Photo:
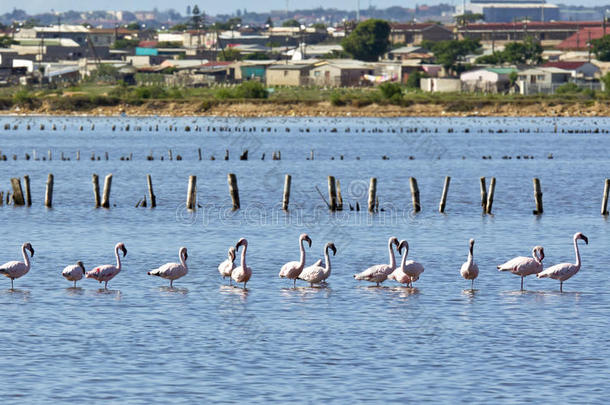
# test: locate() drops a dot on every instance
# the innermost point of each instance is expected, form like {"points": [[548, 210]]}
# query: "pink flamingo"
{"points": [[379, 273], [107, 272], [525, 266], [226, 267], [564, 271], [469, 269], [291, 270], [15, 269], [242, 273], [173, 271], [409, 271], [315, 273], [74, 272]]}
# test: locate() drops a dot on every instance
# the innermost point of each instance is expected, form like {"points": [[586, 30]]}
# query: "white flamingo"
{"points": [[226, 267], [16, 269], [315, 273], [564, 271], [379, 273], [242, 273], [107, 272], [525, 266], [173, 271], [74, 272], [291, 270], [469, 269], [409, 271]]}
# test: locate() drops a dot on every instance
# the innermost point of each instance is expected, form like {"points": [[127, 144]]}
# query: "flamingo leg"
{"points": [[472, 284], [171, 283], [561, 286], [378, 284], [294, 285], [521, 283], [12, 283], [74, 283], [106, 285]]}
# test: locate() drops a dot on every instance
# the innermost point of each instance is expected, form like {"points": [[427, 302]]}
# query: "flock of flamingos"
{"points": [[406, 273]]}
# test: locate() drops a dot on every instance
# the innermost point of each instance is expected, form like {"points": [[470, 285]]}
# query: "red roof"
{"points": [[148, 44], [217, 63], [533, 25], [411, 26], [565, 65], [580, 40]]}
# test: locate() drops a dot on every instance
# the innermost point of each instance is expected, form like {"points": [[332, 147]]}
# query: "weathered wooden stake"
{"points": [[339, 197], [441, 207], [17, 191], [50, 155], [233, 190], [151, 193], [48, 195], [96, 189], [332, 193], [191, 197], [199, 151], [605, 199], [372, 193], [483, 194], [28, 195], [415, 194], [490, 195], [170, 154], [286, 199], [106, 195], [78, 155], [538, 197]]}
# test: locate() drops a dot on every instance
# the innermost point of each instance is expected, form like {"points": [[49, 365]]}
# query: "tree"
{"points": [[291, 23], [368, 41], [606, 81], [135, 26], [230, 54], [468, 18], [269, 22], [527, 52], [198, 18], [6, 41], [449, 52], [601, 48]]}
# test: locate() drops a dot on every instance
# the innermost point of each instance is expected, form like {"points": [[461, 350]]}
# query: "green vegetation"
{"points": [[105, 73], [6, 41], [368, 41], [468, 18], [449, 53], [291, 23], [527, 52], [231, 23], [606, 81], [125, 43], [601, 48], [230, 54]]}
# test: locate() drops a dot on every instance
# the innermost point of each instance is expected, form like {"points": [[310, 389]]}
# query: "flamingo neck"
{"points": [[118, 258], [403, 260], [243, 257], [182, 261], [26, 258], [327, 258], [392, 258], [535, 256], [302, 259], [577, 252], [470, 255]]}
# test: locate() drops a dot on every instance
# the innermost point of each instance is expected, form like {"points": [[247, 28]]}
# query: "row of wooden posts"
{"points": [[23, 196]]}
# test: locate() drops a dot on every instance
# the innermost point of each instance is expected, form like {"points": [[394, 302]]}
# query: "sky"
{"points": [[215, 7]]}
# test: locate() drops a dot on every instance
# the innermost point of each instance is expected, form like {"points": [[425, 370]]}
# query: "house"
{"points": [[581, 39], [413, 33], [283, 74], [440, 84], [542, 80], [579, 69], [253, 70], [340, 72], [409, 52], [488, 80]]}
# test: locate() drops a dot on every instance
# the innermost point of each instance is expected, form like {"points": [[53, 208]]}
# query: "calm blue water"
{"points": [[203, 341]]}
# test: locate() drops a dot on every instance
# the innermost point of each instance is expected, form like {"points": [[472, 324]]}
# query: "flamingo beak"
{"points": [[82, 266], [541, 254], [186, 255], [308, 239], [583, 237], [334, 249], [31, 249], [124, 249]]}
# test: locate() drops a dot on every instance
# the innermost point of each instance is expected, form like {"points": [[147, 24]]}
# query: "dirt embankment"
{"points": [[326, 109]]}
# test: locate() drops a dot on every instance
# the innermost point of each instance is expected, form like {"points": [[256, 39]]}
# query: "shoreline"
{"points": [[252, 109]]}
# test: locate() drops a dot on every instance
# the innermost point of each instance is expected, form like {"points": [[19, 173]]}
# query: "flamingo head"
{"points": [[29, 247], [81, 265], [242, 242], [306, 238], [393, 240], [403, 245], [471, 244], [232, 253], [580, 235], [184, 252], [332, 247], [123, 248], [539, 252]]}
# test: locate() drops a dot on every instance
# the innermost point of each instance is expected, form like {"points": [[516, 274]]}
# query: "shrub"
{"points": [[390, 90], [251, 89], [568, 88], [24, 98], [336, 99]]}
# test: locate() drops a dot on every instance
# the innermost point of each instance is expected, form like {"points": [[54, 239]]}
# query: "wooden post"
{"points": [[199, 150], [17, 191], [372, 194], [286, 199], [48, 196], [151, 193], [106, 155], [441, 207], [538, 196], [490, 195], [191, 197], [96, 190], [339, 197], [605, 199], [170, 155], [233, 190], [28, 195], [483, 194], [332, 193], [78, 155], [415, 194], [106, 195], [50, 155]]}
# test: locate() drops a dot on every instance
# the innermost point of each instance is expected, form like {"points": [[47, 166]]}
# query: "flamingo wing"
{"points": [[375, 273], [312, 274], [562, 271], [225, 268], [72, 272], [289, 269], [13, 269]]}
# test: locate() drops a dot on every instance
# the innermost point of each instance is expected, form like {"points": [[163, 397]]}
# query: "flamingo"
{"points": [[315, 273], [379, 273], [564, 271], [74, 272], [291, 270], [107, 272], [242, 273], [469, 269], [525, 266], [173, 271], [226, 267], [409, 271], [15, 269]]}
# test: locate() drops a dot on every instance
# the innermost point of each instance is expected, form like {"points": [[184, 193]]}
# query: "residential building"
{"points": [[283, 74], [542, 80], [578, 70], [581, 39], [415, 33], [512, 10], [487, 80], [440, 84], [340, 72]]}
